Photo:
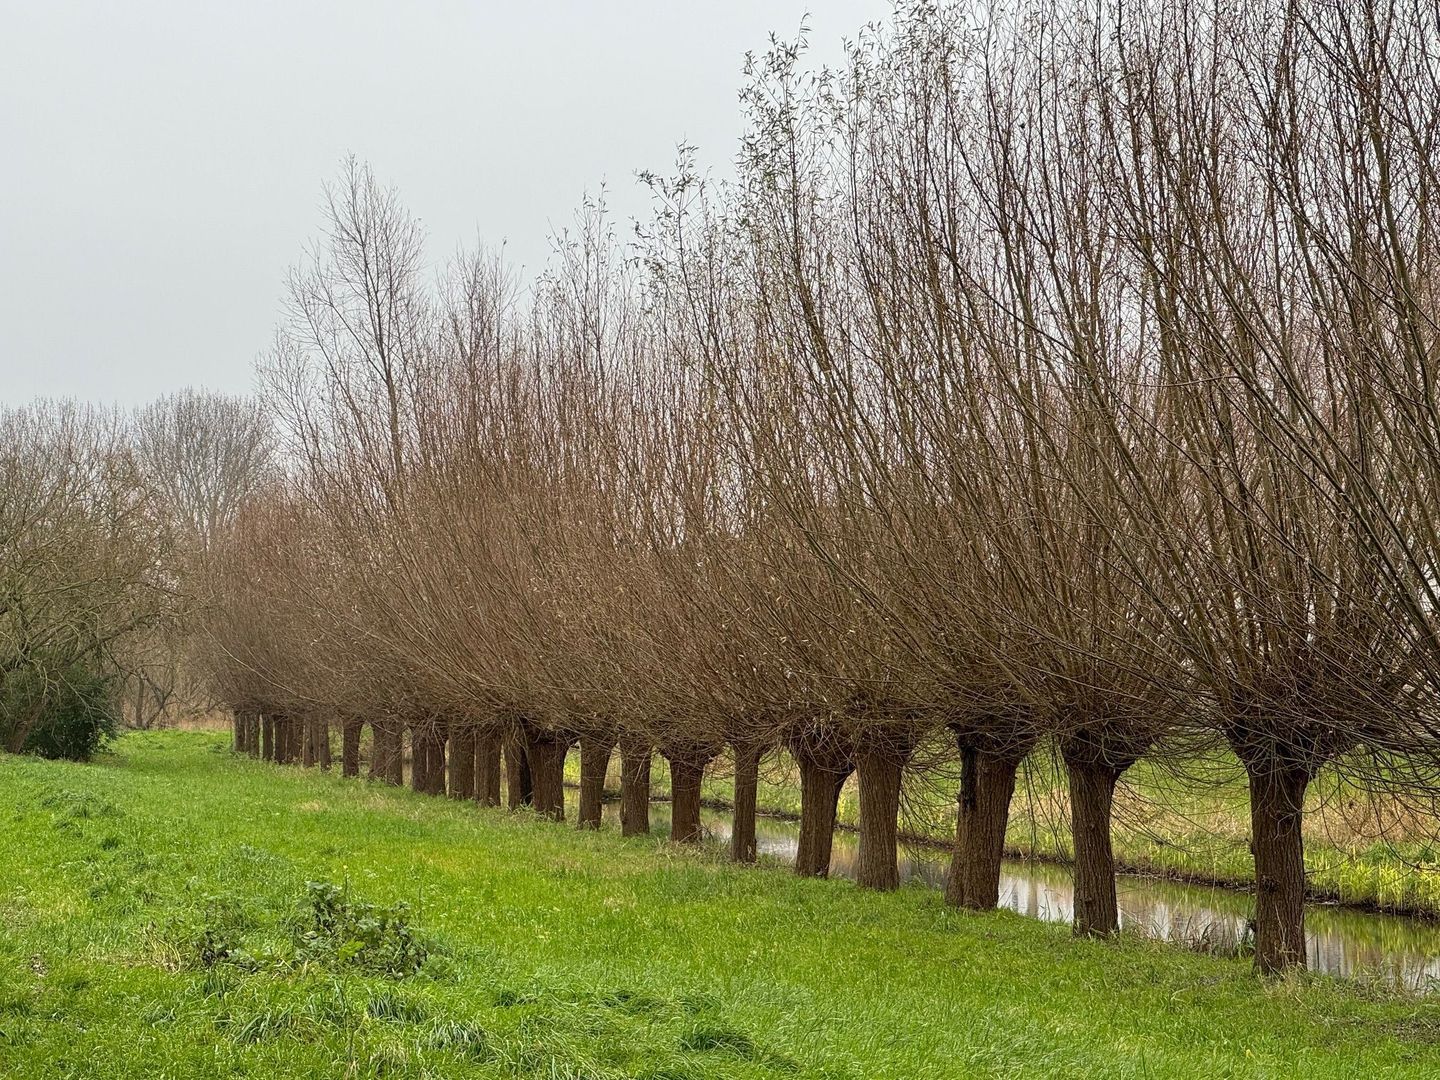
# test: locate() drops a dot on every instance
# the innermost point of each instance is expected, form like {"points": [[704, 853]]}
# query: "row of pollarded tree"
{"points": [[1063, 381]]}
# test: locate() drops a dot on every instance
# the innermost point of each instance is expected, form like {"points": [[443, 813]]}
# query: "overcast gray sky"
{"points": [[161, 161]]}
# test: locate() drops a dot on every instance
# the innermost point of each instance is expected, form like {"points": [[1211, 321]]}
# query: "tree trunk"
{"points": [[439, 736], [237, 731], [1277, 802], [282, 740], [519, 783], [322, 732], [1092, 794], [419, 759], [987, 782], [394, 753], [635, 790], [820, 784], [546, 752], [686, 774], [594, 764], [462, 761], [747, 782], [879, 819], [267, 737], [308, 749], [350, 748], [487, 769], [427, 758]]}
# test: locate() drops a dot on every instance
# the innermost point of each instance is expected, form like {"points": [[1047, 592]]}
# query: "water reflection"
{"points": [[1341, 942]]}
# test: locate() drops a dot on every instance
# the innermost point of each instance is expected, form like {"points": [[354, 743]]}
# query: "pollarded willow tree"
{"points": [[1279, 591], [1079, 404]]}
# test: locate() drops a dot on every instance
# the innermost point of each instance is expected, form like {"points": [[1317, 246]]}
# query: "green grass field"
{"points": [[155, 921]]}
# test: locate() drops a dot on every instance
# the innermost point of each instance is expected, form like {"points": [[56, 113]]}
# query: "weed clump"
{"points": [[335, 930], [216, 937], [328, 930]]}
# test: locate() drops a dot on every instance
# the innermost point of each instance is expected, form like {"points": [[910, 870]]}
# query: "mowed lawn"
{"points": [[153, 906]]}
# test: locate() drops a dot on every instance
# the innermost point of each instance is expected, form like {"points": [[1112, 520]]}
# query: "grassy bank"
{"points": [[1365, 853], [155, 920]]}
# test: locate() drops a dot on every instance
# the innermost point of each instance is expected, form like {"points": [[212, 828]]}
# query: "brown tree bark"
{"points": [[747, 782], [594, 764], [519, 783], [1092, 795], [284, 744], [309, 751], [350, 731], [1095, 760], [267, 737], [419, 759], [546, 751], [462, 761], [821, 779], [635, 789], [880, 771], [1277, 802], [987, 783], [687, 772], [439, 745], [296, 730], [427, 758], [394, 753], [241, 720], [487, 769], [322, 733]]}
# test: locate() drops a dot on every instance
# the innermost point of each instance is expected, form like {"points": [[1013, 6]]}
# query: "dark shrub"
{"points": [[74, 712]]}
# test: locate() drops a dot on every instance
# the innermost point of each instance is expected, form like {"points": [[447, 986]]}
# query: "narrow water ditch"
{"points": [[1342, 942]]}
